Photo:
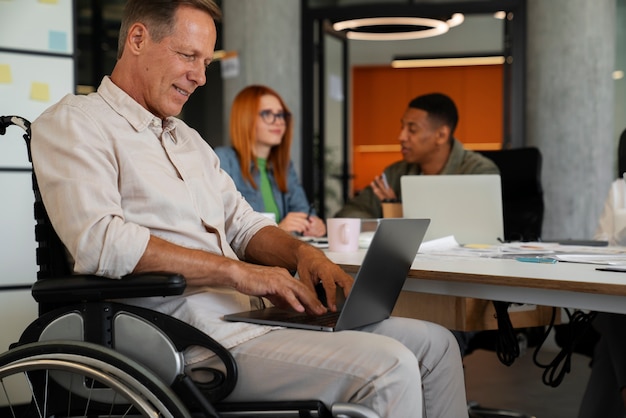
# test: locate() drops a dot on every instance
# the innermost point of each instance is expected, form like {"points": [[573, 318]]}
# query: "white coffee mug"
{"points": [[343, 234]]}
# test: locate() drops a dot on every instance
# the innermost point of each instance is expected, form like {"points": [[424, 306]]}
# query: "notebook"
{"points": [[468, 206], [376, 287]]}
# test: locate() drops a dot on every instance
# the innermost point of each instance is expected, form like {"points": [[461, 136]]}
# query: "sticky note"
{"points": [[49, 1], [57, 41], [40, 91], [5, 74]]}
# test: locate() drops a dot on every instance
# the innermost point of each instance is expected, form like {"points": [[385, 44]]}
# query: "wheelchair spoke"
{"points": [[77, 379], [89, 397], [32, 394], [45, 394], [6, 394]]}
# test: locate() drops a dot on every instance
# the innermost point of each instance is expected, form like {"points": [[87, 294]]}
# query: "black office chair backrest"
{"points": [[621, 155], [522, 193]]}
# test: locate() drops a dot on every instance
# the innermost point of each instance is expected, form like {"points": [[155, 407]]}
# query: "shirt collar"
{"points": [[136, 115]]}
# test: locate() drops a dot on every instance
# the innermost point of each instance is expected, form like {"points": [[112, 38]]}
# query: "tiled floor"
{"points": [[519, 387]]}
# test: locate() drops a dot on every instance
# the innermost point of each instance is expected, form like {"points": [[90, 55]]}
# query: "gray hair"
{"points": [[158, 16]]}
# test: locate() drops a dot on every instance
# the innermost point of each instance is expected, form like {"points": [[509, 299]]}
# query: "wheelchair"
{"points": [[86, 356]]}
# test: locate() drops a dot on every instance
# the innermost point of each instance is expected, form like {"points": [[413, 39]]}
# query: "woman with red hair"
{"points": [[259, 160]]}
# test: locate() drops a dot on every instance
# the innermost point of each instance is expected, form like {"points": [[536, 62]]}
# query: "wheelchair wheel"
{"points": [[76, 379]]}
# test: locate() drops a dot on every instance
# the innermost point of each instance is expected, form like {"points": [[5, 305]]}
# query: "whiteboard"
{"points": [[36, 70], [29, 84], [18, 264], [37, 25]]}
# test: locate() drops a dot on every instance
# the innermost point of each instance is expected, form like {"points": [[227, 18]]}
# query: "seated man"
{"points": [[428, 147], [130, 188]]}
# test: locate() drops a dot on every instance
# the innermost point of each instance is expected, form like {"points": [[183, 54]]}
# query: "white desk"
{"points": [[568, 285]]}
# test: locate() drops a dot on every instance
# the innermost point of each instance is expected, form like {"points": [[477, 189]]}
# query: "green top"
{"points": [[266, 189]]}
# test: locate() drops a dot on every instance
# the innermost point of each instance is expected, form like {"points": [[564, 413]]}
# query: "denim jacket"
{"points": [[294, 200]]}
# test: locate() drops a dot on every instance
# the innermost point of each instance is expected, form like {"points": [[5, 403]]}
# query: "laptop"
{"points": [[376, 287], [468, 206]]}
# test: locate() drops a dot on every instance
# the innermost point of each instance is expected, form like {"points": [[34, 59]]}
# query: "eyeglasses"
{"points": [[270, 117]]}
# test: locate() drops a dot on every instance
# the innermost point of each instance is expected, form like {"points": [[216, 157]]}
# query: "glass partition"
{"points": [[480, 34]]}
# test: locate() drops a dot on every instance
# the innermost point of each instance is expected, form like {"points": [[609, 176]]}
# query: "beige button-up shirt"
{"points": [[111, 174]]}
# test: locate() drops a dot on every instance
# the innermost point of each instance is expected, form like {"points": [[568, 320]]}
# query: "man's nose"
{"points": [[198, 74]]}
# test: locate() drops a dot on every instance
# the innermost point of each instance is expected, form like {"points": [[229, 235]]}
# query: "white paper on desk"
{"points": [[604, 259], [448, 246], [529, 247], [365, 239], [439, 244]]}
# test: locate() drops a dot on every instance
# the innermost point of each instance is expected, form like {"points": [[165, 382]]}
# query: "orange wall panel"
{"points": [[381, 95], [367, 165]]}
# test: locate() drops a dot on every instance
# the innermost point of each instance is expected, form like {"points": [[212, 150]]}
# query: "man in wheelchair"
{"points": [[129, 188]]}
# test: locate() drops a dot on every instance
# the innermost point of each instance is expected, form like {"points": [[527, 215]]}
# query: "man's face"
{"points": [[175, 67], [419, 137]]}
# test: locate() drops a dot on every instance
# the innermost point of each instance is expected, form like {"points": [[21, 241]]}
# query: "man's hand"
{"points": [[314, 267], [279, 286], [381, 189], [273, 247]]}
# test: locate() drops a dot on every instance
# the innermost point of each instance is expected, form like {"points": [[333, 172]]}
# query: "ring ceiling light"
{"points": [[426, 27]]}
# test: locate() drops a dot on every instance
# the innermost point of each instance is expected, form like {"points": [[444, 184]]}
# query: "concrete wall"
{"points": [[570, 60], [266, 36]]}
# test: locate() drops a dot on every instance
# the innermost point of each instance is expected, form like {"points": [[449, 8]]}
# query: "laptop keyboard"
{"points": [[328, 319]]}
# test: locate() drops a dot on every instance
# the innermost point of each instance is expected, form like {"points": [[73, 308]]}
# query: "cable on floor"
{"points": [[555, 371], [507, 345]]}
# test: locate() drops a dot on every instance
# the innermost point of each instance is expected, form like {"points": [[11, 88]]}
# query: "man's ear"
{"points": [[137, 37], [443, 134]]}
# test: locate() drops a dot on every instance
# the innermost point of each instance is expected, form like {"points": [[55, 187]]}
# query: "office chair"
{"points": [[522, 193], [621, 155], [523, 209], [87, 356]]}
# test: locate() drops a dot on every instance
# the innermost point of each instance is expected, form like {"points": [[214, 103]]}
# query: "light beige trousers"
{"points": [[399, 367]]}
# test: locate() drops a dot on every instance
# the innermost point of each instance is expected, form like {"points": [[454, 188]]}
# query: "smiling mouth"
{"points": [[183, 92]]}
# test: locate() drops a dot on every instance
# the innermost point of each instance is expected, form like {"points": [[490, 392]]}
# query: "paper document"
{"points": [[605, 259]]}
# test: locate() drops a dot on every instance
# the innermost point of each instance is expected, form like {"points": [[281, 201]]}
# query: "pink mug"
{"points": [[343, 234]]}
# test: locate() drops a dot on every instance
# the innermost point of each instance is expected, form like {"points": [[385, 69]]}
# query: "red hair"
{"points": [[243, 119]]}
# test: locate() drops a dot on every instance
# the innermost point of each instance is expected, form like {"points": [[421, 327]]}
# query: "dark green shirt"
{"points": [[461, 161]]}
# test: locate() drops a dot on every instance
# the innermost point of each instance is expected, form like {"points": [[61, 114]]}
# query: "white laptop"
{"points": [[468, 206]]}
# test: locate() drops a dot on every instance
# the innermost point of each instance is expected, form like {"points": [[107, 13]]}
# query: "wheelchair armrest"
{"points": [[79, 288]]}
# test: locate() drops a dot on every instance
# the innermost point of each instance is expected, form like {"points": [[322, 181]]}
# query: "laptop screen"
{"points": [[468, 206]]}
